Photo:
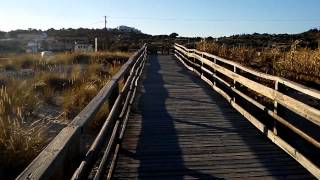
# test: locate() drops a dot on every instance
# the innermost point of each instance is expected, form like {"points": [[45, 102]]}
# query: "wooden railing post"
{"points": [[215, 73], [234, 83], [194, 62], [125, 77], [201, 68], [275, 108], [113, 96]]}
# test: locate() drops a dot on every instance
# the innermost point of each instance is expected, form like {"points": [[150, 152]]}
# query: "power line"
{"points": [[213, 20], [204, 20], [98, 22]]}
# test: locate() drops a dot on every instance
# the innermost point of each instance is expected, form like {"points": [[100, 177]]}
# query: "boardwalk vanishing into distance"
{"points": [[182, 129], [189, 115]]}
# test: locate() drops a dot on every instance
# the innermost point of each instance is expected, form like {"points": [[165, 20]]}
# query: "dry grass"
{"points": [[73, 78], [302, 65], [298, 64], [19, 140]]}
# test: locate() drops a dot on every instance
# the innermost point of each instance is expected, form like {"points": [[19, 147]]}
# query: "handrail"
{"points": [[111, 124], [200, 63], [301, 88], [298, 107], [62, 156]]}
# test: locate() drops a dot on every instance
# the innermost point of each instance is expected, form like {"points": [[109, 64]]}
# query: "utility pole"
{"points": [[105, 33], [105, 22], [96, 44]]}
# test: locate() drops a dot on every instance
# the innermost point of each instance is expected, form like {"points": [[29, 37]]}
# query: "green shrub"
{"points": [[58, 83], [3, 82], [10, 67], [27, 64], [82, 59]]}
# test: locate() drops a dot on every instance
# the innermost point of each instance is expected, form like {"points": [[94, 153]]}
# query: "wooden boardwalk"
{"points": [[180, 129]]}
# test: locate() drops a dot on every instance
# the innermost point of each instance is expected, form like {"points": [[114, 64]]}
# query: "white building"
{"points": [[33, 41], [46, 54], [128, 29], [83, 47], [33, 47]]}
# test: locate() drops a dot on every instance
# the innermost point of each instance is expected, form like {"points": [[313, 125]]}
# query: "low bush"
{"points": [[58, 83], [3, 82], [26, 64], [10, 67]]}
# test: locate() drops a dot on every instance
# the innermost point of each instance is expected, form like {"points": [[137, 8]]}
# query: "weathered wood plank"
{"points": [[278, 97], [179, 128]]}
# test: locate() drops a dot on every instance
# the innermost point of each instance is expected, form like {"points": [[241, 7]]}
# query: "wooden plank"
{"points": [[166, 137], [57, 155], [276, 139]]}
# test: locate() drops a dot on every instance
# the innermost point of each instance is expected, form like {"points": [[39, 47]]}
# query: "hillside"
{"points": [[310, 39], [112, 39]]}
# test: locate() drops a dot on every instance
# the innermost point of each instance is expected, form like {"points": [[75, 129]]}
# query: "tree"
{"points": [[210, 39], [173, 35], [2, 34]]}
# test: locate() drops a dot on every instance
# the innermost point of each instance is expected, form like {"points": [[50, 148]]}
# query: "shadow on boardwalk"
{"points": [[158, 138], [183, 129]]}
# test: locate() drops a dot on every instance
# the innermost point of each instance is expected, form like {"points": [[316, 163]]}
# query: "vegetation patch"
{"points": [[300, 64], [34, 108]]}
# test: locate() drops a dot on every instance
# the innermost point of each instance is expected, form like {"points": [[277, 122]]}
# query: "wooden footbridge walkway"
{"points": [[166, 122]]}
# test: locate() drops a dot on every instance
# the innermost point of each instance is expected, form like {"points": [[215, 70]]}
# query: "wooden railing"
{"points": [[239, 85], [65, 157]]}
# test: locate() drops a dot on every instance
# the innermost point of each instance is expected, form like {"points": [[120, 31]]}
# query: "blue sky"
{"points": [[186, 17]]}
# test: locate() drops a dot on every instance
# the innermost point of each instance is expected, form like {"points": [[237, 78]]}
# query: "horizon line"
{"points": [[95, 28]]}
